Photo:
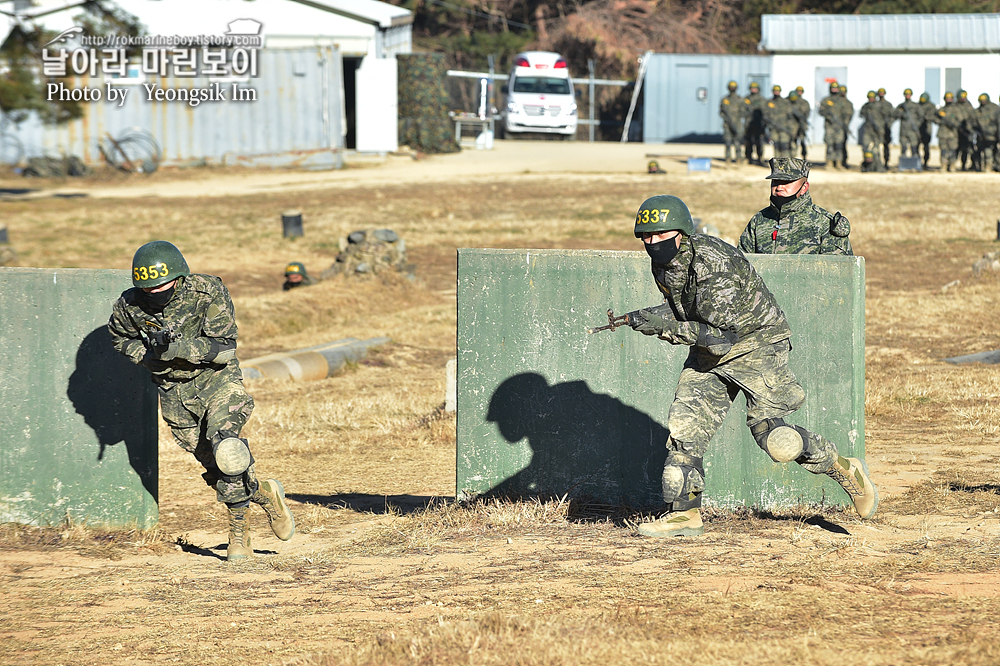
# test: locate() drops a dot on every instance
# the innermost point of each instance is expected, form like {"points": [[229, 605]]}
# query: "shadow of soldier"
{"points": [[107, 390], [585, 445]]}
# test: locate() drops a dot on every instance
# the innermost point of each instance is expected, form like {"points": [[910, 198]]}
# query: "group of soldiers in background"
{"points": [[967, 136]]}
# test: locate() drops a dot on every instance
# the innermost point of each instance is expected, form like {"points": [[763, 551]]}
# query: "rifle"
{"points": [[613, 323], [803, 121]]}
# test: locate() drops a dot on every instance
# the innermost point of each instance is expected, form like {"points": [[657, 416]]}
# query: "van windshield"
{"points": [[546, 85]]}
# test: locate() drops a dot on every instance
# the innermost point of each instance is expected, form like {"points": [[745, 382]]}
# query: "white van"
{"points": [[540, 96]]}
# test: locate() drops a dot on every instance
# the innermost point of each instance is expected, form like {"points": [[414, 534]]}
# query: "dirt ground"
{"points": [[386, 569]]}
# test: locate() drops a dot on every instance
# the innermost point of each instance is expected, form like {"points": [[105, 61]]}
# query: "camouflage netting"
{"points": [[423, 103], [370, 251]]}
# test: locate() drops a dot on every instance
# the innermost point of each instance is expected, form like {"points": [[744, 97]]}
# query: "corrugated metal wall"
{"points": [[683, 92], [802, 33], [296, 117]]}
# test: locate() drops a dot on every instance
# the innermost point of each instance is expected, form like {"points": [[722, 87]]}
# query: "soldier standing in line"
{"points": [[731, 110], [846, 109], [909, 115], [887, 112], [753, 125], [792, 223], [834, 130], [182, 327], [781, 124], [949, 119], [927, 116], [987, 117], [871, 134], [966, 131], [802, 110], [716, 304]]}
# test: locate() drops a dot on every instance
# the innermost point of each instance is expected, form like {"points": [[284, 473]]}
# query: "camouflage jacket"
{"points": [[201, 318], [887, 111], [910, 116], [800, 227], [753, 111], [801, 111], [928, 114], [949, 119], [731, 110], [779, 116], [987, 117], [721, 306]]}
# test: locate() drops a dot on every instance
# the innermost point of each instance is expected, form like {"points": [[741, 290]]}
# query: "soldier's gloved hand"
{"points": [[176, 349], [646, 322], [152, 363]]}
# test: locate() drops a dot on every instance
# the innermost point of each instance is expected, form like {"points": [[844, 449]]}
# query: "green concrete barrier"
{"points": [[78, 430], [544, 408]]}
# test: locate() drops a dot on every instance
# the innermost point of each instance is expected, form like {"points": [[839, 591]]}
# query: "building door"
{"points": [[377, 106], [824, 77], [693, 117]]}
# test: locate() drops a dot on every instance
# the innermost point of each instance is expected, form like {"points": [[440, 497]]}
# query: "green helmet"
{"points": [[295, 267], [157, 263], [871, 94], [732, 85], [924, 97], [663, 213]]}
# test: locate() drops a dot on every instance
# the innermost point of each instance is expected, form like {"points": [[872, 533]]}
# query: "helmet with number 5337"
{"points": [[661, 213], [157, 263]]}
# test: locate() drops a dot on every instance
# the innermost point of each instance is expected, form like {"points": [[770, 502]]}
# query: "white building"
{"points": [[932, 53], [359, 38]]}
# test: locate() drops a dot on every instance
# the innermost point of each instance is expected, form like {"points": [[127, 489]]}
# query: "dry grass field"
{"points": [[387, 569]]}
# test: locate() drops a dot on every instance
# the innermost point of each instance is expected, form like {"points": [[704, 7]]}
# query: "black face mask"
{"points": [[662, 253], [159, 300], [781, 201]]}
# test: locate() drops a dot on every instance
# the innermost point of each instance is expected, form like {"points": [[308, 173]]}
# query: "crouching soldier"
{"points": [[182, 327], [716, 304]]}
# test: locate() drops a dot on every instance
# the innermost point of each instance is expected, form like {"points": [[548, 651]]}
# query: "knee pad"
{"points": [[683, 477], [232, 454], [782, 442]]}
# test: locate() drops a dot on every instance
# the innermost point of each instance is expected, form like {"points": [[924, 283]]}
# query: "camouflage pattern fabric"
{"points": [[966, 131], [928, 116], [370, 251], [753, 127], [834, 128], [949, 119], [871, 135], [909, 115], [801, 110], [799, 227], [198, 399], [781, 125], [887, 112], [423, 103], [731, 110], [706, 389], [987, 118], [711, 290]]}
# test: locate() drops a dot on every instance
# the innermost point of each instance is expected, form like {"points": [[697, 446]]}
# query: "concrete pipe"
{"points": [[310, 363]]}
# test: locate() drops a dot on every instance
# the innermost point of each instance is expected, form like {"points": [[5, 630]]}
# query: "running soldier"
{"points": [[731, 110], [753, 125], [182, 327], [792, 223], [716, 304]]}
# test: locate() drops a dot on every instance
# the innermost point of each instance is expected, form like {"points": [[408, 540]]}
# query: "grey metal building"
{"points": [[683, 92]]}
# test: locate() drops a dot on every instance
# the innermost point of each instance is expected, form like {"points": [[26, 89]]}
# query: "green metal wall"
{"points": [[78, 436], [546, 408]]}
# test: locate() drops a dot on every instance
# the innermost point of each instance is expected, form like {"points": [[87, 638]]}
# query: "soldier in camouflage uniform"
{"points": [[781, 124], [870, 134], [753, 125], [801, 110], [887, 111], [927, 116], [987, 119], [182, 327], [949, 119], [792, 223], [835, 130], [966, 130], [909, 115], [731, 110], [715, 303], [296, 276]]}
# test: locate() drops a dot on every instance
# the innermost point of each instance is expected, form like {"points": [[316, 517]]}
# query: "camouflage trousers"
{"points": [[908, 141], [836, 144], [948, 143], [706, 391], [197, 411]]}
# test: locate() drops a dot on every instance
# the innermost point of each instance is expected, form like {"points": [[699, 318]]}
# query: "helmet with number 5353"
{"points": [[661, 213], [157, 263]]}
